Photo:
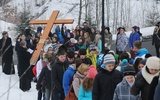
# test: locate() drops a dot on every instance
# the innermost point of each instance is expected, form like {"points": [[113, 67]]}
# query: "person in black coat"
{"points": [[106, 80], [86, 28], [45, 77], [58, 69], [82, 55], [7, 53], [24, 64], [156, 39]]}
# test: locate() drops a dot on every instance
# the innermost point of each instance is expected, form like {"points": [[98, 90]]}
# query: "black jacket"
{"points": [[152, 88], [45, 76], [156, 39], [58, 69], [140, 85], [105, 83]]}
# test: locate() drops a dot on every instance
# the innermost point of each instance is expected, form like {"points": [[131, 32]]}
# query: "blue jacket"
{"points": [[99, 45], [133, 37], [141, 52], [83, 95], [60, 37], [67, 79]]}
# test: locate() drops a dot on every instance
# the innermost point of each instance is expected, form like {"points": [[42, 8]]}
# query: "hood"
{"points": [[77, 74], [142, 52], [39, 29], [71, 67]]}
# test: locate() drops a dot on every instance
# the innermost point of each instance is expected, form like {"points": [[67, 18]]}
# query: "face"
{"points": [[23, 37], [92, 30], [109, 67], [121, 31], [6, 35], [153, 71], [85, 25], [70, 60], [140, 66], [62, 58], [129, 78], [106, 31], [82, 56], [80, 40], [92, 52], [46, 41], [135, 49], [133, 30], [50, 49], [85, 35], [78, 27], [85, 73]]}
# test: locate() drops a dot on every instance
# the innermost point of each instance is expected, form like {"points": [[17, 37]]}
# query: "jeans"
{"points": [[57, 96], [47, 94], [40, 94]]}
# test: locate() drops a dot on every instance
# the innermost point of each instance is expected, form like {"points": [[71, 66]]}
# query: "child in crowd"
{"points": [[91, 53], [106, 80], [82, 55], [45, 77], [98, 43], [68, 75], [58, 69], [78, 77], [122, 91], [143, 81], [85, 91]]}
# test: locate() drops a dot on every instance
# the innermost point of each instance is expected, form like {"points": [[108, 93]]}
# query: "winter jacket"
{"points": [[142, 83], [84, 95], [105, 83], [122, 42], [45, 76], [141, 53], [59, 34], [39, 67], [156, 39], [108, 38], [122, 92], [133, 37], [99, 45], [58, 69], [153, 88], [77, 80], [67, 79], [157, 91], [92, 58]]}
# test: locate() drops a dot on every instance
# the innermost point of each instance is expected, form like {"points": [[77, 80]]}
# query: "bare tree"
{"points": [[97, 13]]}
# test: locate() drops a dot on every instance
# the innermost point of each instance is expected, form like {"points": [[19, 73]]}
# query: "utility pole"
{"points": [[103, 42]]}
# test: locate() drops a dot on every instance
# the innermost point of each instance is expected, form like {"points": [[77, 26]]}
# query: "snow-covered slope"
{"points": [[15, 93]]}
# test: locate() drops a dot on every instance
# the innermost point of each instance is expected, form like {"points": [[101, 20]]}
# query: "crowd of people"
{"points": [[72, 65]]}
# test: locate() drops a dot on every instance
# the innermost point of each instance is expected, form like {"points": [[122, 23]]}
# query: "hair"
{"points": [[82, 52], [85, 23], [88, 37], [50, 56], [22, 43], [138, 44], [87, 84], [148, 55], [70, 54], [124, 55], [48, 38], [136, 63], [107, 28], [78, 62], [122, 28], [82, 68], [61, 52]]}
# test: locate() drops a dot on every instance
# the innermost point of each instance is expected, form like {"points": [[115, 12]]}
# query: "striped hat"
{"points": [[109, 59]]}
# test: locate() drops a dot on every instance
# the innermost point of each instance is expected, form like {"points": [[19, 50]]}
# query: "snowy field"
{"points": [[15, 93]]}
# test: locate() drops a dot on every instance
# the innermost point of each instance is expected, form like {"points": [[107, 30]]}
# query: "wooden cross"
{"points": [[47, 30]]}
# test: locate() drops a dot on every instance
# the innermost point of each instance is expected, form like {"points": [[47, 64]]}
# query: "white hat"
{"points": [[153, 63]]}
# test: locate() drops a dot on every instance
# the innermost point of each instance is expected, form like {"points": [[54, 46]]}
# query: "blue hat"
{"points": [[135, 28]]}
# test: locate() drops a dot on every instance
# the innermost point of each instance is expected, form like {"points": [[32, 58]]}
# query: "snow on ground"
{"points": [[15, 93]]}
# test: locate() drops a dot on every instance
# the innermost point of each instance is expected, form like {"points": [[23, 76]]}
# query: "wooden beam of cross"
{"points": [[47, 30]]}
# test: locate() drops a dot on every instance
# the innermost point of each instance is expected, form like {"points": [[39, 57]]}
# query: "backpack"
{"points": [[71, 95]]}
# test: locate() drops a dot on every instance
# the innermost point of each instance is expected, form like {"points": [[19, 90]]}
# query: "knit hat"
{"points": [[129, 70], [153, 62], [98, 36], [109, 59], [92, 72], [143, 62], [92, 47]]}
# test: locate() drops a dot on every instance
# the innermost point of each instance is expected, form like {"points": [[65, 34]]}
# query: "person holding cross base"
{"points": [[6, 52]]}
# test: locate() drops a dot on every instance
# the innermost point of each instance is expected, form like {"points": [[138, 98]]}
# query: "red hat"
{"points": [[92, 72]]}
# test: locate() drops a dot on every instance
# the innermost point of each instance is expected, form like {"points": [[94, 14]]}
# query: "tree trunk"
{"points": [[80, 12], [108, 12], [97, 14]]}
